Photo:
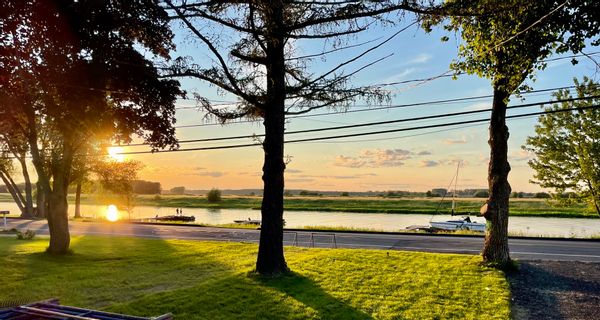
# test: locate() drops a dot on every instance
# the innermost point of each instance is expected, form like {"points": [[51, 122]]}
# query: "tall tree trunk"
{"points": [[495, 250], [41, 202], [28, 213], [15, 187], [594, 196], [58, 223], [271, 260], [78, 200], [55, 193], [14, 193], [58, 215]]}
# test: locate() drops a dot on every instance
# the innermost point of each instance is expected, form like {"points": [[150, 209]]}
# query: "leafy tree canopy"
{"points": [[75, 73], [508, 40], [567, 147]]}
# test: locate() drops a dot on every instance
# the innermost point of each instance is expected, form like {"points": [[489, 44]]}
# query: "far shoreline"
{"points": [[520, 207]]}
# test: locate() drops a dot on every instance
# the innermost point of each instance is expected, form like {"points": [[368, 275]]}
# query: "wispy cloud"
{"points": [[521, 155], [400, 76], [212, 174], [420, 59], [478, 106], [376, 158], [428, 163], [348, 162], [455, 141]]}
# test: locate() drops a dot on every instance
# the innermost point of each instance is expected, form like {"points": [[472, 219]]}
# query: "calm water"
{"points": [[566, 227]]}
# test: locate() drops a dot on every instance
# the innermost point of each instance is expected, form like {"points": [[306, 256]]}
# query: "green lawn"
{"points": [[213, 280]]}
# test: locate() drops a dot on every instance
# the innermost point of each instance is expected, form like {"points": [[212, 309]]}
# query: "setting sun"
{"points": [[115, 154], [112, 213]]}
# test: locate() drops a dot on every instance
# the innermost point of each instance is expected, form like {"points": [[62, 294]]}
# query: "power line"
{"points": [[441, 125], [368, 124], [398, 106], [448, 124]]}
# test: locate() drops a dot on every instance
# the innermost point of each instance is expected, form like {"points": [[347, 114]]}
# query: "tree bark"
{"points": [[28, 213], [495, 250], [78, 200], [58, 209], [56, 193], [594, 196], [58, 221], [271, 260], [15, 193], [41, 203]]}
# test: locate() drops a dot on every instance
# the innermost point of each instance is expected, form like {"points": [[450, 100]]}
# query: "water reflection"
{"points": [[529, 226], [112, 213]]}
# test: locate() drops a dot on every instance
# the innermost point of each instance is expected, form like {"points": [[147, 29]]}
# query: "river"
{"points": [[527, 226]]}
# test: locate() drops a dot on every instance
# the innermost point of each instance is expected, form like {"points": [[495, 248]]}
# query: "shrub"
{"points": [[541, 195], [481, 194], [214, 195], [27, 235]]}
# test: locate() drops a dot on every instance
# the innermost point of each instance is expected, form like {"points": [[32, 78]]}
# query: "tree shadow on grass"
{"points": [[103, 271], [308, 292], [539, 292], [235, 296]]}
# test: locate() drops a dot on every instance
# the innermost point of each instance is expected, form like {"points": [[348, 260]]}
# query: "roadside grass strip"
{"points": [[214, 280]]}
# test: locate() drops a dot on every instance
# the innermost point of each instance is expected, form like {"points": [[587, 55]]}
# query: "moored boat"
{"points": [[460, 224], [176, 218]]}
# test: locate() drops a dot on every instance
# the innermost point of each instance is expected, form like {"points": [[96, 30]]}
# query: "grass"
{"points": [[339, 228], [213, 280]]}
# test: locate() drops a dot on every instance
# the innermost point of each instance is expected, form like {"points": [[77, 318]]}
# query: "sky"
{"points": [[413, 160]]}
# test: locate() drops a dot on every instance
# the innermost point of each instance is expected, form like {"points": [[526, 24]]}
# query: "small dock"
{"points": [[249, 221]]}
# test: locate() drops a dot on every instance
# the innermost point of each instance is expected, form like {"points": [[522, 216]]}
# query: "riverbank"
{"points": [[214, 280], [518, 207]]}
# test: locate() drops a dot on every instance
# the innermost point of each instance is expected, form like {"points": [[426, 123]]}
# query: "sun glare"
{"points": [[112, 213], [115, 154]]}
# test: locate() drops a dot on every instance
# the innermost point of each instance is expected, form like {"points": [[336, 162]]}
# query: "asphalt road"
{"points": [[524, 249]]}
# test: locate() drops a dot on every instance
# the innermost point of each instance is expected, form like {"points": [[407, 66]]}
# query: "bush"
{"points": [[214, 195], [541, 195], [27, 235], [481, 194]]}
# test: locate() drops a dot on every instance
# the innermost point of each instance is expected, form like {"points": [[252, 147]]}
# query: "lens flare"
{"points": [[112, 213], [115, 154]]}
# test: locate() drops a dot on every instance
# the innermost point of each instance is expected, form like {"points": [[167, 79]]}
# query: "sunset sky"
{"points": [[414, 160]]}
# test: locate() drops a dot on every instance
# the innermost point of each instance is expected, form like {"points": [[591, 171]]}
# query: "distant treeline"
{"points": [[3, 188], [139, 187]]}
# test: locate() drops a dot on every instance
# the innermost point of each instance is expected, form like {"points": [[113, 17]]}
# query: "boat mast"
{"points": [[455, 185]]}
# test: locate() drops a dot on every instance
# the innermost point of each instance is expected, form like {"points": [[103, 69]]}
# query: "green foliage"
{"points": [[517, 194], [213, 280], [567, 147], [506, 41], [214, 195], [306, 193], [27, 235], [117, 180], [541, 195], [481, 194]]}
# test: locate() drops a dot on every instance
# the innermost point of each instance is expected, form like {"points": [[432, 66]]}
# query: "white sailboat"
{"points": [[464, 223]]}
